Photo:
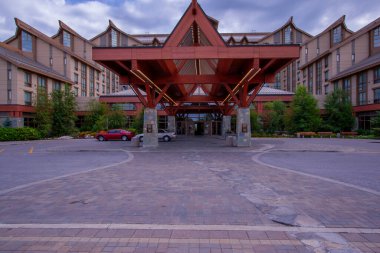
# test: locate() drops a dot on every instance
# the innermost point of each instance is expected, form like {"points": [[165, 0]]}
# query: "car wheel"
{"points": [[141, 138], [124, 138], [101, 138], [166, 138]]}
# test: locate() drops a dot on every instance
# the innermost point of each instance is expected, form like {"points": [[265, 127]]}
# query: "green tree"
{"points": [[303, 114], [339, 114], [375, 121], [43, 120], [116, 117], [96, 120], [256, 124], [274, 116], [138, 123], [63, 112], [375, 124]]}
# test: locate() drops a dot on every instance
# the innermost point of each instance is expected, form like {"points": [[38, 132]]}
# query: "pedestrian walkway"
{"points": [[191, 195]]}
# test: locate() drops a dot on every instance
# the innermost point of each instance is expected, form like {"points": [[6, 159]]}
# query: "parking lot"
{"points": [[194, 194]]}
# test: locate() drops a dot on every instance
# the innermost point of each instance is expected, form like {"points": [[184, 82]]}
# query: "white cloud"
{"points": [[90, 17]]}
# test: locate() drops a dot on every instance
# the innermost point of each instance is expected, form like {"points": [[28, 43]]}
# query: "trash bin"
{"points": [[135, 142], [231, 140]]}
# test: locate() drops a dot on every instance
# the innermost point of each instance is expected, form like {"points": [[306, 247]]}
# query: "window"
{"points": [[362, 88], [277, 84], [26, 41], [76, 64], [376, 96], [41, 81], [92, 82], [57, 85], [347, 87], [113, 38], [9, 74], [84, 80], [288, 35], [326, 75], [27, 98], [319, 78], [76, 77], [337, 35], [336, 85], [326, 62], [376, 75], [310, 80], [28, 79], [66, 39], [376, 37], [353, 58]]}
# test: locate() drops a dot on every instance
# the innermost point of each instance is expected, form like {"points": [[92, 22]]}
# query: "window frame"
{"points": [[26, 41], [27, 81], [29, 101]]}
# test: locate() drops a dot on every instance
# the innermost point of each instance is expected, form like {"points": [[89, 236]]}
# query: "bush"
{"points": [[19, 134], [376, 132]]}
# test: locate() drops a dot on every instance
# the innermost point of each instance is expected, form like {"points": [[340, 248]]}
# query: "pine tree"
{"points": [[43, 120], [339, 114], [303, 114], [63, 112]]}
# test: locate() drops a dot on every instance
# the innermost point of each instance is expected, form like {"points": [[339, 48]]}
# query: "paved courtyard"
{"points": [[191, 195]]}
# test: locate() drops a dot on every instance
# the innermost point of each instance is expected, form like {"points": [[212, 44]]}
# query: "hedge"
{"points": [[19, 134]]}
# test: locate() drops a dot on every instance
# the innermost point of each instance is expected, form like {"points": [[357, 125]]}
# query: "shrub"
{"points": [[19, 134]]}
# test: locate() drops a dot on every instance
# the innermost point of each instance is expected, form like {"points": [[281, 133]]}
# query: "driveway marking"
{"points": [[30, 151], [195, 227], [256, 158], [130, 158]]}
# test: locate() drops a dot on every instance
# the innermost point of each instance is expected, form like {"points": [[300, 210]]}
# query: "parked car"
{"points": [[115, 134], [162, 135]]}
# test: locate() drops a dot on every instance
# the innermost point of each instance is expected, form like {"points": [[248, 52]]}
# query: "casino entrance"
{"points": [[199, 124]]}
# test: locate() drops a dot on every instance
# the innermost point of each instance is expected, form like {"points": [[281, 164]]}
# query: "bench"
{"points": [[322, 134], [305, 134], [351, 134]]}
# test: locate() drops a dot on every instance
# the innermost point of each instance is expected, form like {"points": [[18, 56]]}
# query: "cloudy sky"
{"points": [[90, 17]]}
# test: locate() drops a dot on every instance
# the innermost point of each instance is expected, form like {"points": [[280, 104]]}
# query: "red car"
{"points": [[115, 134]]}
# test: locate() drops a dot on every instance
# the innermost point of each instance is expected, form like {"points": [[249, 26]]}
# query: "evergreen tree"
{"points": [[339, 114], [256, 124], [375, 124], [43, 120], [303, 114], [63, 112], [116, 117], [138, 123], [97, 119], [274, 116]]}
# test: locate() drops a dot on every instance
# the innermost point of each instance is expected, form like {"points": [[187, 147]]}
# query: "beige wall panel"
{"points": [[345, 57], [362, 48], [58, 61], [324, 42], [43, 52]]}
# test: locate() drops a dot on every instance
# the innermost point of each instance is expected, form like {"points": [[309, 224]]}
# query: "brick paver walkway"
{"points": [[193, 195]]}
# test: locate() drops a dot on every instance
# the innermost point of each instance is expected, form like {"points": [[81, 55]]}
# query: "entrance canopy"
{"points": [[195, 70]]}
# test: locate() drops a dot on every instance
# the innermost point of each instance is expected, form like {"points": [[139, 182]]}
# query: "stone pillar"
{"points": [[243, 127], [226, 125], [171, 124], [150, 128]]}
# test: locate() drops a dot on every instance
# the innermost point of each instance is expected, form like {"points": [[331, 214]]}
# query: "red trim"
{"points": [[364, 108]]}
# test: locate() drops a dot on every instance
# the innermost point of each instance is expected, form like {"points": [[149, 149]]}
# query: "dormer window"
{"points": [[26, 42], [113, 38], [288, 35], [337, 35], [66, 39], [376, 37]]}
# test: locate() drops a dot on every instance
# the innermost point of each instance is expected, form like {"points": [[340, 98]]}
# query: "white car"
{"points": [[162, 135]]}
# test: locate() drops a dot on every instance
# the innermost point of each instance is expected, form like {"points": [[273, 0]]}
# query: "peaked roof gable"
{"points": [[194, 14], [64, 27], [289, 22], [111, 25]]}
